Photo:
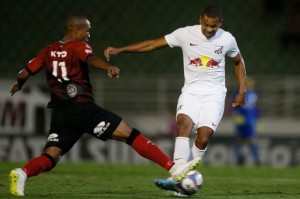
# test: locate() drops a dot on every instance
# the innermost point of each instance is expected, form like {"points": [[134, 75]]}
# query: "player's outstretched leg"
{"points": [[179, 171], [169, 185], [166, 184], [17, 178]]}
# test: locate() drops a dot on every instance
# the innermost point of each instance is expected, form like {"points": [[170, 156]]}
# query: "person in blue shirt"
{"points": [[245, 119]]}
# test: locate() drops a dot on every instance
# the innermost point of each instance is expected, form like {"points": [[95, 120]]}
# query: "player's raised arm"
{"points": [[21, 79], [96, 62], [139, 47], [240, 72]]}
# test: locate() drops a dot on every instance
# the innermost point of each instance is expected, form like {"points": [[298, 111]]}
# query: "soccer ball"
{"points": [[191, 183]]}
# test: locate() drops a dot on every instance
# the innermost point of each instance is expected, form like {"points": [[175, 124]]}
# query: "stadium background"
{"points": [[146, 94]]}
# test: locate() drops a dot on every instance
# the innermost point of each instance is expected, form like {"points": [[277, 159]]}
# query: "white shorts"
{"points": [[205, 109]]}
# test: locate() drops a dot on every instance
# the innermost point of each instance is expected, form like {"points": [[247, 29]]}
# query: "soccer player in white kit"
{"points": [[201, 104]]}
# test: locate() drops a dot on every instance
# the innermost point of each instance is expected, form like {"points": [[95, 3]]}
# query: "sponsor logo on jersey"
{"points": [[53, 137], [72, 90], [204, 62], [58, 53], [101, 128]]}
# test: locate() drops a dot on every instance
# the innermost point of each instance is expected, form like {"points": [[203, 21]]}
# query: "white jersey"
{"points": [[203, 59]]}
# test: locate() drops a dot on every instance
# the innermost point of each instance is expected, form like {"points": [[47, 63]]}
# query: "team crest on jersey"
{"points": [[218, 49], [101, 128], [53, 137], [72, 90]]}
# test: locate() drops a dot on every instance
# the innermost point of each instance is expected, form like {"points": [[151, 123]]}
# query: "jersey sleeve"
{"points": [[84, 50], [233, 50], [173, 39], [37, 63]]}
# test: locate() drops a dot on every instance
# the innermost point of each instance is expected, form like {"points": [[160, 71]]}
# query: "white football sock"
{"points": [[182, 149], [197, 152]]}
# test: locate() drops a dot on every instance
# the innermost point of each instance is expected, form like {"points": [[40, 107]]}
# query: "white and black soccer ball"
{"points": [[191, 183]]}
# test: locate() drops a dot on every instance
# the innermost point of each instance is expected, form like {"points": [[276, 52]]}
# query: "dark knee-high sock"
{"points": [[254, 152], [148, 149], [38, 165]]}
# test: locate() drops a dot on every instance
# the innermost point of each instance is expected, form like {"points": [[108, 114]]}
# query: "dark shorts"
{"points": [[70, 121], [246, 131]]}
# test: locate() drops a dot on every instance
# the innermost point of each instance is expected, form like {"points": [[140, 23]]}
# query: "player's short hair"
{"points": [[74, 20], [213, 11]]}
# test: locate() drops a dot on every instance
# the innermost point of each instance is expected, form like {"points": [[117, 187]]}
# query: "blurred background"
{"points": [[268, 35]]}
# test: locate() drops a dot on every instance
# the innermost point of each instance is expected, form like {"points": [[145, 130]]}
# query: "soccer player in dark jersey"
{"points": [[245, 123], [66, 63]]}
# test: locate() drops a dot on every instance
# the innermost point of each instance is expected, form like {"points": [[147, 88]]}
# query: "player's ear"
{"points": [[77, 30], [221, 22], [200, 19]]}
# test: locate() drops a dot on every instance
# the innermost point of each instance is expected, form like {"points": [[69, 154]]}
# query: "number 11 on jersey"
{"points": [[62, 66]]}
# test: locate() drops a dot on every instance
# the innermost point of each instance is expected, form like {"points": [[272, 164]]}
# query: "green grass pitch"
{"points": [[92, 180]]}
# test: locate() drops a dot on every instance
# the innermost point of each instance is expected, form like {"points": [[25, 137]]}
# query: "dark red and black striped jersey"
{"points": [[67, 71]]}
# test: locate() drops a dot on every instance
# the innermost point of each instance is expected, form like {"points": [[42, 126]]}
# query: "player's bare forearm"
{"points": [[139, 47], [21, 79], [241, 78], [240, 72], [97, 63], [145, 46]]}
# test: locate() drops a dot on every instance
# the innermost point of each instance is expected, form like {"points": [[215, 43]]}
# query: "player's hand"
{"points": [[239, 100], [110, 51], [113, 71], [15, 88]]}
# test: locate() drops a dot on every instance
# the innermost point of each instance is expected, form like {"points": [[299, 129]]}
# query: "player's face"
{"points": [[209, 26], [84, 32]]}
